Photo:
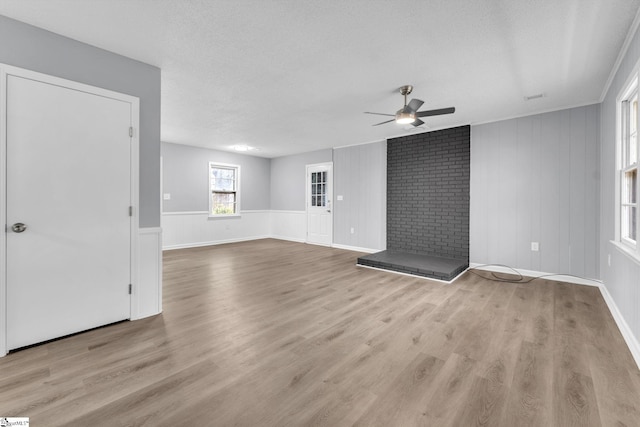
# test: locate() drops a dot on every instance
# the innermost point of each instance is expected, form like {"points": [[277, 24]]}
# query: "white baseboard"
{"points": [[212, 243], [531, 273], [288, 238], [623, 326], [355, 248]]}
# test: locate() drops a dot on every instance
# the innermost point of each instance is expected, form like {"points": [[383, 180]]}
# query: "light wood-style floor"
{"points": [[274, 333]]}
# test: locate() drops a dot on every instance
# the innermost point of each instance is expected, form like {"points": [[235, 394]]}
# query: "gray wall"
{"points": [[185, 173], [288, 179], [535, 179], [622, 278], [359, 174], [428, 193], [38, 50]]}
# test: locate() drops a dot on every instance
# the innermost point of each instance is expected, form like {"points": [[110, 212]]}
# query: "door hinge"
{"points": [[131, 132], [130, 288], [130, 210]]}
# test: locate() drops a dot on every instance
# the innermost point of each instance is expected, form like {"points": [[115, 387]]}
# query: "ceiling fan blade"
{"points": [[413, 105], [381, 123], [380, 114], [417, 123], [435, 112]]}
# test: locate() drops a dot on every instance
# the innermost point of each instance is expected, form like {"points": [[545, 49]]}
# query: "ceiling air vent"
{"points": [[532, 97]]}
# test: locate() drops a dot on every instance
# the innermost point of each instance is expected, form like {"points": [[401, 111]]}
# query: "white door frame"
{"points": [[7, 70], [307, 198]]}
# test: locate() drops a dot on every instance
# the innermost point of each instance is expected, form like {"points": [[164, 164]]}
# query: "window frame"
{"points": [[236, 191], [625, 165]]}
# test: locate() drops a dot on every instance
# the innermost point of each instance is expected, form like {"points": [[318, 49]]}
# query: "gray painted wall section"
{"points": [[38, 50], [622, 278], [359, 174], [288, 179], [535, 179], [185, 171]]}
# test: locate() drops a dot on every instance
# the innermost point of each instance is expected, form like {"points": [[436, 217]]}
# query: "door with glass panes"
{"points": [[319, 204]]}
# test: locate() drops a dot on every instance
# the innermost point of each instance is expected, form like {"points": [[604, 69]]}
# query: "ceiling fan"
{"points": [[409, 114]]}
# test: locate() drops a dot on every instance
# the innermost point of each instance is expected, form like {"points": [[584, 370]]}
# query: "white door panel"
{"points": [[69, 182], [319, 204]]}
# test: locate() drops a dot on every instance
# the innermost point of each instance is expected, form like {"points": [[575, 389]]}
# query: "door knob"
{"points": [[18, 227], [328, 210]]}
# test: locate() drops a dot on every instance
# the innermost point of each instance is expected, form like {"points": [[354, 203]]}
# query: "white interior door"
{"points": [[319, 204], [69, 182]]}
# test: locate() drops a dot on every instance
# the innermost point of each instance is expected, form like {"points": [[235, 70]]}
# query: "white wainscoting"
{"points": [[147, 292], [191, 229], [289, 225], [356, 248]]}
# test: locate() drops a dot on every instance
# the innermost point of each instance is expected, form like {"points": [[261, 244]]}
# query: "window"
{"points": [[224, 189], [628, 168], [319, 189]]}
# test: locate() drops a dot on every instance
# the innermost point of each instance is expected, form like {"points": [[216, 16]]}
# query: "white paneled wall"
{"points": [[147, 291], [289, 225], [189, 229]]}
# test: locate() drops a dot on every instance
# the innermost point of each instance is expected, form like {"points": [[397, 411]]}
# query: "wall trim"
{"points": [[623, 52], [213, 243], [147, 289], [150, 230], [186, 213], [289, 239], [625, 330], [288, 212], [532, 273], [356, 248], [626, 251]]}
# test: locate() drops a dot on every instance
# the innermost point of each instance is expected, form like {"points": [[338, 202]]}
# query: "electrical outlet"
{"points": [[353, 230], [166, 196], [535, 246], [339, 197]]}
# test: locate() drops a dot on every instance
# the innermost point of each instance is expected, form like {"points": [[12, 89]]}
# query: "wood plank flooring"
{"points": [[275, 333]]}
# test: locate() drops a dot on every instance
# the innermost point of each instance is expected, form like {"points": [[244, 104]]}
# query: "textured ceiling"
{"points": [[289, 76]]}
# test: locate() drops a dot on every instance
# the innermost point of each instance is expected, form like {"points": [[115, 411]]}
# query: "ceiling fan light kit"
{"points": [[403, 118], [409, 114]]}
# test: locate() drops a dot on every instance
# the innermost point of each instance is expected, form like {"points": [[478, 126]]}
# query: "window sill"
{"points": [[626, 250], [229, 216]]}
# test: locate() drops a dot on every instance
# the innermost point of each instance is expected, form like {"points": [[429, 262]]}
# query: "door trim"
{"points": [[307, 198], [9, 70]]}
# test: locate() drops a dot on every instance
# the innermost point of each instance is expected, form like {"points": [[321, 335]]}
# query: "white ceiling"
{"points": [[289, 76]]}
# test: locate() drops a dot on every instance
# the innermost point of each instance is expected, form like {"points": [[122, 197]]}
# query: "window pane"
{"points": [[314, 177], [633, 227], [223, 179], [223, 203], [633, 114], [630, 191]]}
